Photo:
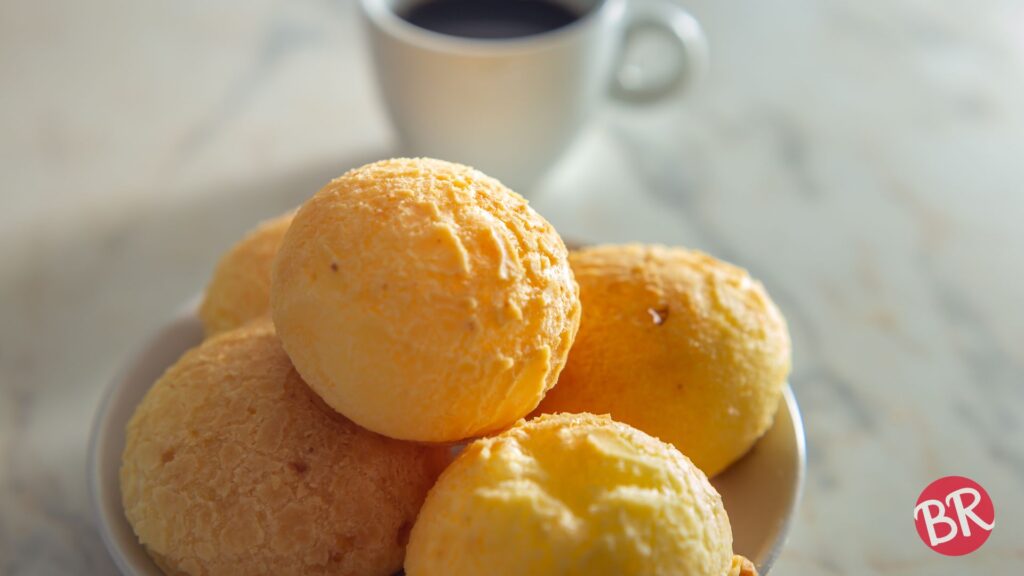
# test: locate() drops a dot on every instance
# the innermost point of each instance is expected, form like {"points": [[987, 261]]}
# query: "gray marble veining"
{"points": [[863, 159]]}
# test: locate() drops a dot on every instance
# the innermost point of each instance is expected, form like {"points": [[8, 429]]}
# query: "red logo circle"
{"points": [[954, 516]]}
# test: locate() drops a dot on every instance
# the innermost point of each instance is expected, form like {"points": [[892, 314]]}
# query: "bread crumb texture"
{"points": [[424, 300], [233, 466]]}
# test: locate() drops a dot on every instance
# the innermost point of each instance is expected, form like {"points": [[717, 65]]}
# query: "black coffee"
{"points": [[489, 18]]}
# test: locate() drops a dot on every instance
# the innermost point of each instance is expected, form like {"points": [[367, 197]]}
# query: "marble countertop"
{"points": [[864, 159]]}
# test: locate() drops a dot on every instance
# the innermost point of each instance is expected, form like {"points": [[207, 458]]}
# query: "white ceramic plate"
{"points": [[761, 491]]}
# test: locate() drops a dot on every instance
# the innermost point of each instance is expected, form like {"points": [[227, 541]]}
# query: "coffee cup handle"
{"points": [[666, 17]]}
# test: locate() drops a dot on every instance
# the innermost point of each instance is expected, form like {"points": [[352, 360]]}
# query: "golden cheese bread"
{"points": [[678, 344], [424, 300]]}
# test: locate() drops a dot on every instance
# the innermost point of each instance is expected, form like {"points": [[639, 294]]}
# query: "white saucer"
{"points": [[761, 491]]}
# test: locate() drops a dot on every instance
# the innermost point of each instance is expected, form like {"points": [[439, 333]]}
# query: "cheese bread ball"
{"points": [[571, 494], [678, 344], [424, 300], [233, 466], [240, 288], [742, 567]]}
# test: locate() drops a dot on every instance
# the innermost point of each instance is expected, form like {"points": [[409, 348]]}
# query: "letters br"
{"points": [[954, 515]]}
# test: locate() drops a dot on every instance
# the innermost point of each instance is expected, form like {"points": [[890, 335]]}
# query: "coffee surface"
{"points": [[490, 18]]}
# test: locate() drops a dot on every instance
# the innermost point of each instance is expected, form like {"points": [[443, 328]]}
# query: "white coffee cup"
{"points": [[509, 107]]}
